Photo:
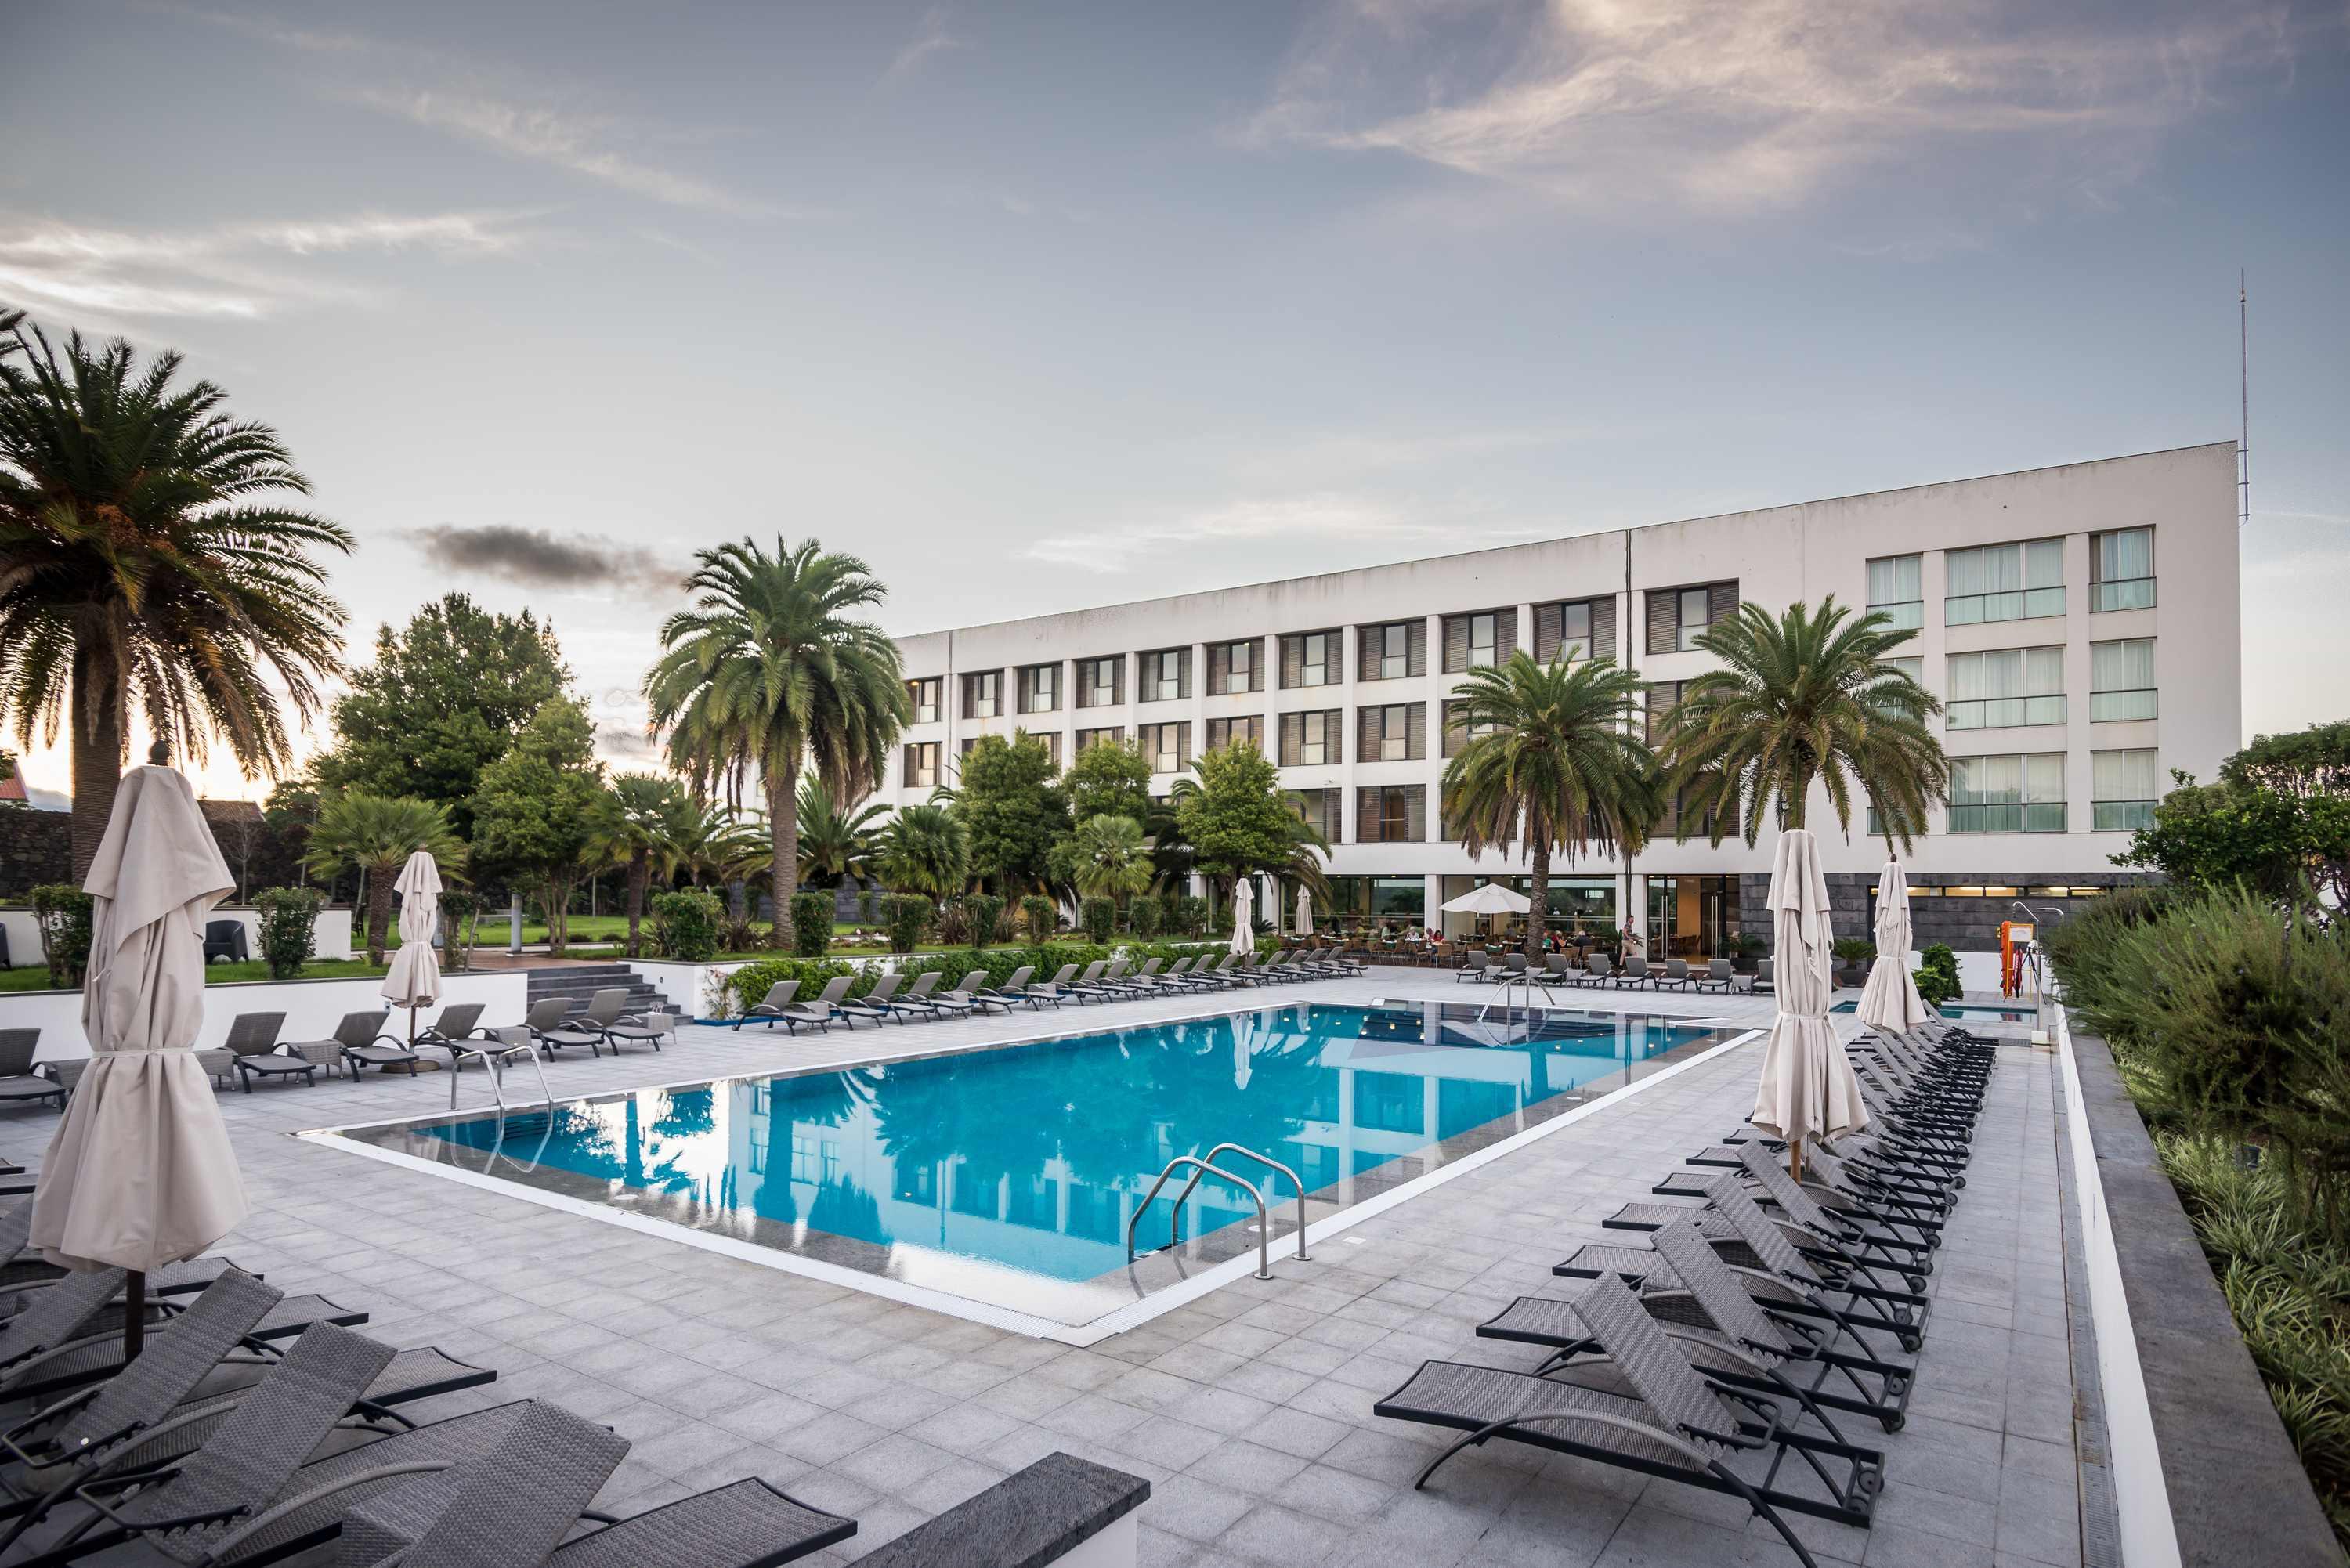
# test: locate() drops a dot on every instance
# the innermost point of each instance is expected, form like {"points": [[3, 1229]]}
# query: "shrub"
{"points": [[1142, 918], [1039, 916], [1097, 918], [906, 918], [1938, 974], [290, 932], [1854, 952], [864, 914], [983, 912], [690, 924], [1191, 915], [746, 985], [462, 911], [811, 924], [62, 913]]}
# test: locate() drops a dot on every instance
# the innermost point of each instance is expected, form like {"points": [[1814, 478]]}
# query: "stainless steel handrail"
{"points": [[1263, 1253], [1208, 1160]]}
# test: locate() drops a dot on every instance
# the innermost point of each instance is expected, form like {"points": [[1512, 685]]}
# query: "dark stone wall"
{"points": [[1968, 925], [37, 847]]}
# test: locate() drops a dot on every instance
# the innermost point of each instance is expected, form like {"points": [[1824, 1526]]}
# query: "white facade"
{"points": [[2189, 612]]}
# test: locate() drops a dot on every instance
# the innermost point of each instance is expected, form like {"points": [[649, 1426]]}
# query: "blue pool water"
{"points": [[1010, 1175], [2019, 1014]]}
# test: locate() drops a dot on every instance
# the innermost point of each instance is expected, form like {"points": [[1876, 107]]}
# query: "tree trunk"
{"points": [[1538, 913], [558, 914], [379, 917], [784, 826], [640, 874], [98, 741]]}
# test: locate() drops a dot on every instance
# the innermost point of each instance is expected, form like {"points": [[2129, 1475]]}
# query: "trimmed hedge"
{"points": [[811, 924]]}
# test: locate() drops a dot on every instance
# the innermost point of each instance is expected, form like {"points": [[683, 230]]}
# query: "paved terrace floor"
{"points": [[1248, 1410]]}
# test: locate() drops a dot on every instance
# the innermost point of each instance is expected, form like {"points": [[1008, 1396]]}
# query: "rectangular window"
{"points": [[924, 695], [2007, 686], [1392, 652], [1390, 1102], [1897, 587], [1052, 739], [2123, 787], [1311, 659], [1234, 667], [1111, 736], [1395, 732], [1040, 689], [1479, 639], [1099, 681], [1167, 746], [2121, 570], [1678, 616], [1458, 734], [1391, 814], [1035, 1202], [1576, 629], [1249, 731], [1663, 695], [2005, 582], [1914, 667], [923, 764], [1311, 740], [2121, 680], [1322, 808], [2008, 793], [982, 694], [1167, 675]]}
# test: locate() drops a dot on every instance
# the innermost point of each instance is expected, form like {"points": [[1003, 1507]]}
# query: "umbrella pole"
{"points": [[134, 1316], [1795, 1159]]}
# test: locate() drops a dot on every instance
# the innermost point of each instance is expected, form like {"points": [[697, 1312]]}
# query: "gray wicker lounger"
{"points": [[770, 1007], [749, 1524], [95, 1352], [513, 1506]]}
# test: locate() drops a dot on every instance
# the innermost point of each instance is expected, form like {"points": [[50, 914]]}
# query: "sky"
{"points": [[1035, 306]]}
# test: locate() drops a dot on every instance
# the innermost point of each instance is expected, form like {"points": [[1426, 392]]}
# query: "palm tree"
{"points": [[1806, 698], [375, 835], [1555, 760], [1112, 858], [925, 850], [640, 829], [145, 561], [836, 842], [769, 668]]}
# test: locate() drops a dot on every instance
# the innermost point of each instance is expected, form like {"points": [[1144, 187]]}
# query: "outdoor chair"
{"points": [[588, 1027], [641, 1029], [769, 1009], [1763, 981], [357, 1031], [820, 1014], [514, 1504], [1014, 989], [874, 1004], [1674, 976], [458, 1022], [1052, 990], [1088, 987], [1719, 974], [960, 1002], [1598, 970], [226, 939], [253, 1042], [20, 1084], [1473, 966], [746, 1524]]}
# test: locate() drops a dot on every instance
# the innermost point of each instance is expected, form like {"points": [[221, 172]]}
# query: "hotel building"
{"points": [[2080, 624]]}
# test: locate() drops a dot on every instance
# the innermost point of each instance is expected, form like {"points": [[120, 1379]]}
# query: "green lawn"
{"points": [[36, 978]]}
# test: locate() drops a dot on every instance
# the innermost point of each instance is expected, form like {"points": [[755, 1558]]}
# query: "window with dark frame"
{"points": [[1311, 740], [924, 693], [1040, 688]]}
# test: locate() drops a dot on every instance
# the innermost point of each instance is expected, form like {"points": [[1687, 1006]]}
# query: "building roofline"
{"points": [[1559, 538]]}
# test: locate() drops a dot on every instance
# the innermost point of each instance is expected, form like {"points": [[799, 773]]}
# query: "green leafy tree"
{"points": [[642, 820], [836, 842], [375, 835], [770, 668], [925, 850], [1555, 760], [1238, 821], [1109, 778], [442, 699], [1013, 811], [535, 816], [148, 561], [2278, 821], [1805, 698], [1110, 857], [1038, 917]]}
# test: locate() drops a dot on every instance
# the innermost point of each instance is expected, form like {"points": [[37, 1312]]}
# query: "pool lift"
{"points": [[1203, 1166], [2022, 961]]}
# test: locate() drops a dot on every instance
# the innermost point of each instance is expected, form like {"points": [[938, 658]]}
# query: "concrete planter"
{"points": [[312, 1008], [332, 930]]}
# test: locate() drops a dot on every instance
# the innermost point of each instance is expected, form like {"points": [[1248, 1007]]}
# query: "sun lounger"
{"points": [[1053, 989], [590, 1027], [748, 1524], [769, 1009], [1013, 993], [822, 1013], [458, 1021], [362, 1044], [641, 1029], [356, 1031], [19, 1083], [253, 1042], [874, 1004], [513, 1505]]}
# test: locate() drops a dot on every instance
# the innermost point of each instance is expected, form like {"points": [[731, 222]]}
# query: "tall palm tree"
{"points": [[836, 842], [771, 667], [146, 562], [376, 833], [1111, 857], [1555, 760], [1806, 698], [640, 829], [925, 850]]}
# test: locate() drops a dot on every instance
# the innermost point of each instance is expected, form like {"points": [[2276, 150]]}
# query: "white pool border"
{"points": [[1093, 1331]]}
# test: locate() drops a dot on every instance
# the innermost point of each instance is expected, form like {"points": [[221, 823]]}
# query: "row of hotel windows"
{"points": [[2011, 686], [2022, 581]]}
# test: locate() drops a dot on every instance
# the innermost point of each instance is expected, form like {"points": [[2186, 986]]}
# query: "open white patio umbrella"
{"points": [[1808, 1089], [414, 979], [1243, 933], [1305, 911], [140, 1172], [1891, 1002], [1491, 898]]}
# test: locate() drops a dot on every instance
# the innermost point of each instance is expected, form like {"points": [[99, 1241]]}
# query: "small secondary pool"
{"points": [[2015, 1014], [1008, 1175]]}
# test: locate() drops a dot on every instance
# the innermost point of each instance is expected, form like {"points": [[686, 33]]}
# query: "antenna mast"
{"points": [[2243, 404]]}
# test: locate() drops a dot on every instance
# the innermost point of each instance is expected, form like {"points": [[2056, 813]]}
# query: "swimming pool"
{"points": [[2017, 1013], [1009, 1176]]}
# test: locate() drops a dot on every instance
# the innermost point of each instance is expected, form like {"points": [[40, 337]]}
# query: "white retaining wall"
{"points": [[332, 930], [312, 1008]]}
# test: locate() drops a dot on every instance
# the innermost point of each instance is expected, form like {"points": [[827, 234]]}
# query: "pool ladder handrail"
{"points": [[1526, 979], [1201, 1169]]}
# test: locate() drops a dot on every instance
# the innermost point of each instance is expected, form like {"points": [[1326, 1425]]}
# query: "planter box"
{"points": [[332, 928], [312, 1008]]}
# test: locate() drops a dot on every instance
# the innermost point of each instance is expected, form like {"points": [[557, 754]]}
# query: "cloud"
{"points": [[239, 271], [539, 558], [1732, 105], [930, 39], [1357, 520]]}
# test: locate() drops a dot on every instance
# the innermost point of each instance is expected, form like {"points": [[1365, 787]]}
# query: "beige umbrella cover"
{"points": [[1891, 1002], [139, 1173], [1808, 1088], [1304, 912], [414, 977], [1243, 933]]}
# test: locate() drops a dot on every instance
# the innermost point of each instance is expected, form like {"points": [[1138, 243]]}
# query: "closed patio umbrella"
{"points": [[1243, 933], [1305, 911], [1808, 1088], [1891, 1002], [414, 979], [140, 1172]]}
